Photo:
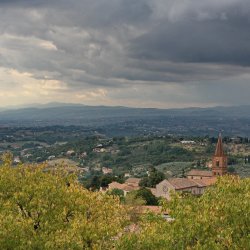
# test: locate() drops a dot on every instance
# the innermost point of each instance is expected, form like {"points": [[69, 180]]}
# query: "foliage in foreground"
{"points": [[51, 210], [153, 178], [45, 210], [143, 196], [220, 219]]}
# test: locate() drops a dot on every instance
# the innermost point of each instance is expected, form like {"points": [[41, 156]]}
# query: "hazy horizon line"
{"points": [[34, 105]]}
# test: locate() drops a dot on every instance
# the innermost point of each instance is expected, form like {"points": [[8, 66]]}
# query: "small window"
{"points": [[165, 189], [217, 163]]}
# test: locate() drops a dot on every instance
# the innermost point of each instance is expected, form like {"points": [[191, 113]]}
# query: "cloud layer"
{"points": [[154, 53]]}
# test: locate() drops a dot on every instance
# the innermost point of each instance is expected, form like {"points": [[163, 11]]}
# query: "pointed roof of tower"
{"points": [[219, 148]]}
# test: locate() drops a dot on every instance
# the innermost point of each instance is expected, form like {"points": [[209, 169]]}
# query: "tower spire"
{"points": [[219, 152], [220, 159]]}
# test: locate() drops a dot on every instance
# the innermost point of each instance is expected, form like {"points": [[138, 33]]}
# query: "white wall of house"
{"points": [[164, 189]]}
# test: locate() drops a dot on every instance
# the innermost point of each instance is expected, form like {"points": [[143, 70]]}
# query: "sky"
{"points": [[136, 53]]}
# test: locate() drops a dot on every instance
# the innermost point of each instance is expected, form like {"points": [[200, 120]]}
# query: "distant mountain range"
{"points": [[63, 111], [229, 118], [39, 105]]}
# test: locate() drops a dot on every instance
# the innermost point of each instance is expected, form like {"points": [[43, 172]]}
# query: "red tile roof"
{"points": [[124, 186], [115, 185], [205, 182], [185, 183], [182, 183], [201, 173], [133, 181], [129, 188]]}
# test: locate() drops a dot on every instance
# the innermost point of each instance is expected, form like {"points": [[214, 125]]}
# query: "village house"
{"points": [[99, 150], [27, 155], [130, 184], [196, 187], [51, 157], [199, 174], [197, 180], [70, 153], [16, 160], [134, 182], [83, 155], [127, 175], [187, 142], [107, 170]]}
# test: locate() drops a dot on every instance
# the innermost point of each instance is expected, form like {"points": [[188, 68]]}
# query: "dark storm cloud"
{"points": [[220, 40], [122, 43], [88, 36], [24, 3]]}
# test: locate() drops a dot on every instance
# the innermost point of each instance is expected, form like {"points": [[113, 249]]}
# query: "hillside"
{"points": [[197, 121]]}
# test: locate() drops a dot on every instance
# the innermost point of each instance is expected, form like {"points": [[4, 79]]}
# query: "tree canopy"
{"points": [[146, 194], [41, 209], [153, 178]]}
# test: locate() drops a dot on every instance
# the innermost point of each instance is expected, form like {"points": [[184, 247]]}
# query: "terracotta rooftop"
{"points": [[116, 185], [124, 186], [129, 188], [205, 182], [202, 173], [182, 183], [133, 181]]}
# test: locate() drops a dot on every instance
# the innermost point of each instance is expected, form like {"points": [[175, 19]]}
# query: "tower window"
{"points": [[217, 163]]}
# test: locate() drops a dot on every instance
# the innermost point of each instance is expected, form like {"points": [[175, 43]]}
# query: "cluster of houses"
{"points": [[196, 181], [130, 184]]}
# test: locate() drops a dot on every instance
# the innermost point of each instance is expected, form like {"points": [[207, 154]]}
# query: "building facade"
{"points": [[197, 180], [219, 162]]}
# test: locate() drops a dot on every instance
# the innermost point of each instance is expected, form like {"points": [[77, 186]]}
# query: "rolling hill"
{"points": [[188, 120]]}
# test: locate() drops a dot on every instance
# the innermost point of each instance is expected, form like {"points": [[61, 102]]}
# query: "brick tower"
{"points": [[219, 166]]}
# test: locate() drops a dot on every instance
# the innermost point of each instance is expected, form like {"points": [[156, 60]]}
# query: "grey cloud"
{"points": [[121, 43], [213, 40]]}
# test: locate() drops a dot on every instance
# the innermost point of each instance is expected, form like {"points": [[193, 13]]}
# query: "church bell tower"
{"points": [[219, 166]]}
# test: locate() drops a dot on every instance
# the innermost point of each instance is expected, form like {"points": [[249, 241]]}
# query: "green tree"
{"points": [[146, 194], [231, 169], [95, 183], [43, 209], [219, 219], [117, 192], [105, 180], [154, 177], [131, 199]]}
